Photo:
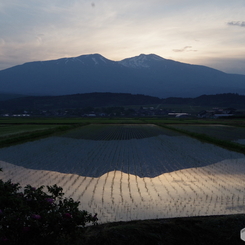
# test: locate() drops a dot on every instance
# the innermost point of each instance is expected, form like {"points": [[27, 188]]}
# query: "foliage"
{"points": [[36, 217], [87, 102], [81, 102]]}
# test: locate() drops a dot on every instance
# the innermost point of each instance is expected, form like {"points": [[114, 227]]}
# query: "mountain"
{"points": [[144, 74], [142, 61], [7, 96]]}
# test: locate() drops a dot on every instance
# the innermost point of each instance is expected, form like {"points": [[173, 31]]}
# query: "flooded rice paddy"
{"points": [[128, 172]]}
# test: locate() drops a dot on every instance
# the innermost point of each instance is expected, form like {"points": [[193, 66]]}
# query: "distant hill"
{"points": [[76, 101], [144, 74], [6, 96], [218, 100]]}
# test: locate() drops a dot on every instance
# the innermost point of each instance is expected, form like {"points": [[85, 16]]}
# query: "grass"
{"points": [[223, 132], [209, 139], [189, 230], [33, 120], [20, 137], [147, 120], [17, 129], [59, 121], [194, 121]]}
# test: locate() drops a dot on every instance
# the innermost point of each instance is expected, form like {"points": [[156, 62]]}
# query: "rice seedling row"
{"points": [[133, 177]]}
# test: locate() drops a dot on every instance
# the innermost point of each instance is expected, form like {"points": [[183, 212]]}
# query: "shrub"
{"points": [[36, 217]]}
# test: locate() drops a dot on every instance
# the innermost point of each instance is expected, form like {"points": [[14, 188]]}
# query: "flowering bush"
{"points": [[36, 217]]}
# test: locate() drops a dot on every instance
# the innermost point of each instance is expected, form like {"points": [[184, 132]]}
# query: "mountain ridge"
{"points": [[78, 101], [144, 74]]}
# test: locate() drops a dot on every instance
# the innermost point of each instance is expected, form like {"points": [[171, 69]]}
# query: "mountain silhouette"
{"points": [[144, 74]]}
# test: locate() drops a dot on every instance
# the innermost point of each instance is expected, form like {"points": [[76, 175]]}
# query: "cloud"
{"points": [[44, 29], [229, 65], [186, 48], [237, 23]]}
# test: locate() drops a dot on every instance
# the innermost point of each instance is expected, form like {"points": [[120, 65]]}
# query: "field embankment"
{"points": [[212, 230], [213, 137], [17, 133]]}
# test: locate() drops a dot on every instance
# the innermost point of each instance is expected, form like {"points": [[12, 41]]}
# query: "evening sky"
{"points": [[210, 33]]}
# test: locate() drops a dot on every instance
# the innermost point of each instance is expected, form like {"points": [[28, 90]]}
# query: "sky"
{"points": [[210, 33]]}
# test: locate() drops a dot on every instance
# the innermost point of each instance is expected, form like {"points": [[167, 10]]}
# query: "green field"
{"points": [[223, 132], [61, 121], [7, 130]]}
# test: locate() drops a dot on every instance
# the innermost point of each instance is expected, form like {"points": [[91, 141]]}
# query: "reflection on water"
{"points": [[147, 157], [115, 196], [106, 132]]}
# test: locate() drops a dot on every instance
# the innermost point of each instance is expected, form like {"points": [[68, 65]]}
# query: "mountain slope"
{"points": [[143, 74]]}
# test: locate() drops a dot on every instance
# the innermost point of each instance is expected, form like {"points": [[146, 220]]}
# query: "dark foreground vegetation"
{"points": [[33, 217]]}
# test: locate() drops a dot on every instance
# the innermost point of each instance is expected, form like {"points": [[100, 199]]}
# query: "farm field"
{"points": [[128, 172], [223, 132], [6, 130]]}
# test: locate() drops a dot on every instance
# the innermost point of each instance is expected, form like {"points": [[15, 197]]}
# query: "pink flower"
{"points": [[26, 229], [95, 217], [4, 239], [36, 216], [20, 195], [49, 200], [67, 215]]}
